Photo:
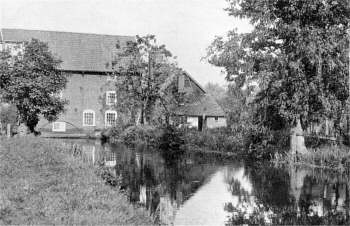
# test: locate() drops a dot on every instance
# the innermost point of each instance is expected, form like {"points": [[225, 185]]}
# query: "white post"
{"points": [[347, 107], [8, 130], [349, 58]]}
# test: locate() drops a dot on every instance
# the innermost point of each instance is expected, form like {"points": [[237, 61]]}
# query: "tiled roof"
{"points": [[206, 105], [78, 51]]}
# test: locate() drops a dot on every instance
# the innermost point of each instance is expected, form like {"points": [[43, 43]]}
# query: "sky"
{"points": [[186, 27]]}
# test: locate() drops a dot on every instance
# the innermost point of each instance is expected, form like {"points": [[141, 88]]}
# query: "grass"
{"points": [[42, 183], [333, 157]]}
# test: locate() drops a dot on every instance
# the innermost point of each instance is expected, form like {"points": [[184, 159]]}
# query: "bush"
{"points": [[220, 139], [132, 135], [171, 143], [171, 138], [262, 143], [249, 141]]}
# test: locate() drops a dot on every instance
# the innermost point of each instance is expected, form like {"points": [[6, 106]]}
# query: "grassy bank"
{"points": [[41, 183], [334, 157]]}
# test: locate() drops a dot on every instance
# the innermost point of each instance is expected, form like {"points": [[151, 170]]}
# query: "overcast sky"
{"points": [[186, 27]]}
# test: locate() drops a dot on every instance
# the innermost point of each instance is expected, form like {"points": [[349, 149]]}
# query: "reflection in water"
{"points": [[202, 189], [295, 196]]}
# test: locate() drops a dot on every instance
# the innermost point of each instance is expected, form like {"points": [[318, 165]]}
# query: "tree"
{"points": [[144, 73], [297, 53], [217, 91], [30, 81]]}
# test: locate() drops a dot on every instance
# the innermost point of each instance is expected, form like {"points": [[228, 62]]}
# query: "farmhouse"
{"points": [[88, 60]]}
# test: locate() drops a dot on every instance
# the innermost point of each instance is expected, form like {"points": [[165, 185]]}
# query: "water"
{"points": [[209, 189]]}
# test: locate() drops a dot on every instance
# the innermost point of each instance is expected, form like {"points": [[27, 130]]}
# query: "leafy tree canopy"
{"points": [[296, 53], [145, 73], [30, 81], [216, 90]]}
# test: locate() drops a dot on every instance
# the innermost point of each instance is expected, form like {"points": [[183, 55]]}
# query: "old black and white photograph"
{"points": [[175, 112]]}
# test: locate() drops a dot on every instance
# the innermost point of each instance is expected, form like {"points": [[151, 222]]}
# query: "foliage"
{"points": [[238, 105], [30, 81], [41, 183], [167, 137], [249, 142], [297, 54], [171, 144], [170, 138], [333, 157], [217, 91], [221, 140], [144, 73], [132, 135]]}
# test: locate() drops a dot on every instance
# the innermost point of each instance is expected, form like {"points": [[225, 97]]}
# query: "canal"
{"points": [[210, 189]]}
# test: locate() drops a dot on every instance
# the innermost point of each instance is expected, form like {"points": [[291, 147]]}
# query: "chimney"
{"points": [[181, 83]]}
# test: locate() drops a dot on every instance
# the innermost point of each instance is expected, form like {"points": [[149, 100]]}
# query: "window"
{"points": [[216, 119], [111, 97], [88, 118], [110, 118], [58, 127]]}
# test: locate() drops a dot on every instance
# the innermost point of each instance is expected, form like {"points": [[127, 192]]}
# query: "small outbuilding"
{"points": [[201, 110]]}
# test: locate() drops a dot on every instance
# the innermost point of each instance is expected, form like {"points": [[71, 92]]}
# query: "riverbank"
{"points": [[41, 183], [331, 157], [219, 140]]}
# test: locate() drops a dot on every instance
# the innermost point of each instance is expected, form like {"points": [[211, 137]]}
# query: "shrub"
{"points": [[220, 139], [170, 141], [262, 143], [132, 135], [251, 141], [170, 138]]}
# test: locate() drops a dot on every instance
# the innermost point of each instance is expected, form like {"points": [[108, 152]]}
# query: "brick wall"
{"points": [[83, 92]]}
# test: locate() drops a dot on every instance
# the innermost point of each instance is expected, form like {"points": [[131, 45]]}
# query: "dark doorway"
{"points": [[200, 123]]}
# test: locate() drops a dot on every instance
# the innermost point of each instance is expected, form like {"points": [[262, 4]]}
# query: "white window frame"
{"points": [[110, 112], [108, 102], [93, 117]]}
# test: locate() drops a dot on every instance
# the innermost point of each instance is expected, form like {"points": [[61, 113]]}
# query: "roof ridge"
{"points": [[71, 32], [78, 51], [188, 75]]}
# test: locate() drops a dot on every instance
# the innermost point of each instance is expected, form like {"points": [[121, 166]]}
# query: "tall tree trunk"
{"points": [[297, 141]]}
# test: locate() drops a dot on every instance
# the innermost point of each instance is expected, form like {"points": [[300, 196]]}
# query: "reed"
{"points": [[334, 157]]}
